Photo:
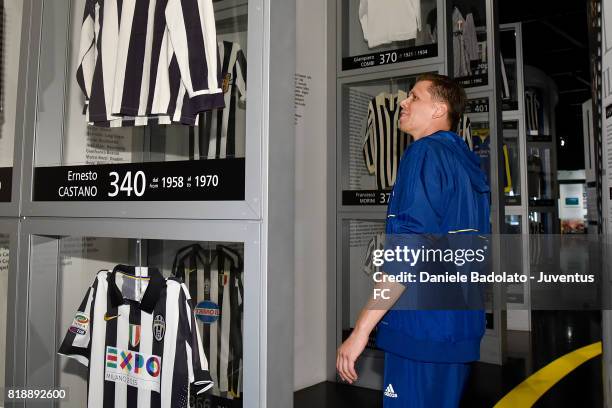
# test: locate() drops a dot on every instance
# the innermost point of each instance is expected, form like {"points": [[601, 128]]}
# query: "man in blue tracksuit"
{"points": [[440, 189]]}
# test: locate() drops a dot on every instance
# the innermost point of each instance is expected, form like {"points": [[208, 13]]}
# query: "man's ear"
{"points": [[441, 110]]}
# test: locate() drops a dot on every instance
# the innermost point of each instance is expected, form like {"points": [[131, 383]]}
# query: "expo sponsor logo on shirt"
{"points": [[139, 370]]}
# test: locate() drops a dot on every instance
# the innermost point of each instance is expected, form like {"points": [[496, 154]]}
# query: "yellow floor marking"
{"points": [[527, 393]]}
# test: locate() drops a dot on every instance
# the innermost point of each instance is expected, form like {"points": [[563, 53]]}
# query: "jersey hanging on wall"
{"points": [[217, 128], [137, 334], [144, 62], [215, 279], [384, 142]]}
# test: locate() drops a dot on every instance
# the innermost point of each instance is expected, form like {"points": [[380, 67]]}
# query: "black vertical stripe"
{"points": [[158, 346], [180, 393], [223, 314], [119, 9], [207, 296], [97, 101], [134, 66], [204, 133], [191, 143], [175, 82], [135, 319], [195, 40], [92, 323], [158, 36]]}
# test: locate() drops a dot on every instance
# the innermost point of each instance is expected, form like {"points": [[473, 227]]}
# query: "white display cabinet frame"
{"points": [[37, 365], [15, 324], [270, 73]]}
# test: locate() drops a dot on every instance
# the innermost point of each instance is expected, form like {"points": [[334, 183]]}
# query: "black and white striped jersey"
{"points": [[377, 242], [217, 128], [136, 333], [384, 142], [465, 130], [215, 279], [532, 111], [144, 58]]}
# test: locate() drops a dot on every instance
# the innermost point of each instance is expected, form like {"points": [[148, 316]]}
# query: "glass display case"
{"points": [[156, 115], [510, 62], [151, 297], [400, 31], [468, 30], [360, 238], [512, 162], [372, 143], [10, 48], [540, 175]]}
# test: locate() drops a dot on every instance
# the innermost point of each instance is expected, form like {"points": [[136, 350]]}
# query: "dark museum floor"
{"points": [[554, 334]]}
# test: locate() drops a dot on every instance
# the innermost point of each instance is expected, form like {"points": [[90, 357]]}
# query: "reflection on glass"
{"points": [[213, 275], [541, 222], [539, 175], [149, 114], [468, 25], [512, 174], [509, 70], [374, 33], [513, 224]]}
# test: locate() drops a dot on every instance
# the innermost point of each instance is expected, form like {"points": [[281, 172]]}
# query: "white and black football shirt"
{"points": [[215, 279], [136, 333], [144, 58], [217, 128], [384, 142]]}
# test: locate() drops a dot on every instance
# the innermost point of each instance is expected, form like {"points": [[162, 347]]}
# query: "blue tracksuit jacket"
{"points": [[440, 188]]}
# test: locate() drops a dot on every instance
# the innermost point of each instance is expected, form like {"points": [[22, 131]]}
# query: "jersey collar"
{"points": [[156, 284]]}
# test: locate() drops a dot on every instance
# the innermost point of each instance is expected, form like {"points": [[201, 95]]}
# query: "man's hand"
{"points": [[348, 353]]}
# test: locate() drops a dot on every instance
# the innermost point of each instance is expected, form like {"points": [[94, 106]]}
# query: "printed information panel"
{"points": [[6, 184], [390, 57], [190, 180], [366, 197]]}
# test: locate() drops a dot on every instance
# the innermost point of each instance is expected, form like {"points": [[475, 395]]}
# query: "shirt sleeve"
{"points": [[77, 341], [191, 25], [369, 143], [241, 73], [199, 376], [87, 55]]}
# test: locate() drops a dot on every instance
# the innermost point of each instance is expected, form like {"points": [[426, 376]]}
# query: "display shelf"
{"points": [[211, 171], [401, 46], [66, 255]]}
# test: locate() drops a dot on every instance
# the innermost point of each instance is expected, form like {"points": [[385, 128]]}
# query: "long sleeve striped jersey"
{"points": [[384, 142], [136, 332], [148, 61]]}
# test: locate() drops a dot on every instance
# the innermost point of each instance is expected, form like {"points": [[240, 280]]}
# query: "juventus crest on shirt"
{"points": [[136, 333]]}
